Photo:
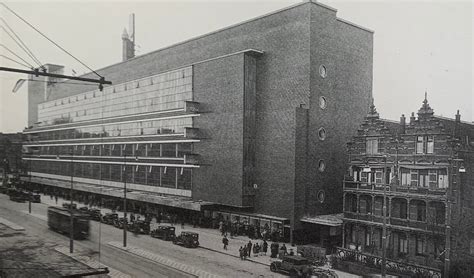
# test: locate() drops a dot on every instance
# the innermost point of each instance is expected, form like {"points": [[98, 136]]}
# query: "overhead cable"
{"points": [[46, 37], [8, 33], [15, 61], [19, 39], [8, 49]]}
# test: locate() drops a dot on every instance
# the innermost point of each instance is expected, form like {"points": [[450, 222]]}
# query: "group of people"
{"points": [[257, 249]]}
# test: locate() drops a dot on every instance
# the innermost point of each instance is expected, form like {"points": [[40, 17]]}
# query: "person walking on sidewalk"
{"points": [[264, 247], [249, 248], [241, 253], [225, 241]]}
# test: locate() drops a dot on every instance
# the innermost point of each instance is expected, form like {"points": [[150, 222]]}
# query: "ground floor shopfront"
{"points": [[169, 208]]}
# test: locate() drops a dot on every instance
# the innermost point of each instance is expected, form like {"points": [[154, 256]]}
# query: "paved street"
{"points": [[96, 247]]}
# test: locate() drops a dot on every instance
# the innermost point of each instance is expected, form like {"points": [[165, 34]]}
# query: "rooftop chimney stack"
{"points": [[412, 118], [128, 41], [458, 117], [403, 123]]}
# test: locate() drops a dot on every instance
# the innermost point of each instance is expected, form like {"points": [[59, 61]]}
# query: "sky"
{"points": [[419, 46]]}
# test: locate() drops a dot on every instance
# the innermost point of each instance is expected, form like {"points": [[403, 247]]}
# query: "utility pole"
{"points": [[29, 185], [71, 224], [124, 200], [384, 211]]}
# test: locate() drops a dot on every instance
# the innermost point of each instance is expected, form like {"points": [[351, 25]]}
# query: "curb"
{"points": [[11, 225], [217, 251]]}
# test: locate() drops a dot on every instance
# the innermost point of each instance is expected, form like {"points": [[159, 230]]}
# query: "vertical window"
{"points": [[420, 245], [423, 178], [405, 173], [442, 178], [364, 177], [419, 144], [433, 179], [430, 144], [372, 146], [367, 237], [378, 176], [424, 144], [414, 178], [403, 245]]}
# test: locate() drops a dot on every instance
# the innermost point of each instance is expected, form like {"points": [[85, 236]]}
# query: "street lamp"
{"points": [[71, 224]]}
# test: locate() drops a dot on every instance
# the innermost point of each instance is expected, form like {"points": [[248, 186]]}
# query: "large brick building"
{"points": [[252, 118], [424, 170]]}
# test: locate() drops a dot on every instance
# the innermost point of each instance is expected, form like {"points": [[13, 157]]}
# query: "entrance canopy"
{"points": [[332, 220]]}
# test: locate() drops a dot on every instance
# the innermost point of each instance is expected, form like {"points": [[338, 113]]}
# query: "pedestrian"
{"points": [[56, 198], [221, 227], [255, 249], [225, 241], [182, 223], [249, 247], [132, 217], [244, 252], [264, 247], [241, 253], [283, 248]]}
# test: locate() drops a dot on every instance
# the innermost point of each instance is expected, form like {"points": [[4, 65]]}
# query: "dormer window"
{"points": [[372, 146], [424, 144]]}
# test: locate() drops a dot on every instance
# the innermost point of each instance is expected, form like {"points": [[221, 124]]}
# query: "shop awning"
{"points": [[332, 220], [149, 197]]}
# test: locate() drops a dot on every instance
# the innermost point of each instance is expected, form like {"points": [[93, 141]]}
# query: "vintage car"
{"points": [[119, 222], [187, 239], [139, 227], [95, 214], [110, 218], [35, 197], [164, 232], [17, 195], [69, 205], [295, 266]]}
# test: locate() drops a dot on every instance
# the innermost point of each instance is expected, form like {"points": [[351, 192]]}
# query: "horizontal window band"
{"points": [[111, 157], [117, 143], [122, 122], [109, 118], [111, 137], [116, 163]]}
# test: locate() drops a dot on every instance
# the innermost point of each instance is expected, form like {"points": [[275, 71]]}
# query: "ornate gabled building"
{"points": [[423, 170]]}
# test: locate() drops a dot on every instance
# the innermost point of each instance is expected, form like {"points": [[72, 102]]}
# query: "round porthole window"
{"points": [[322, 102], [321, 196], [322, 133], [321, 165], [322, 71]]}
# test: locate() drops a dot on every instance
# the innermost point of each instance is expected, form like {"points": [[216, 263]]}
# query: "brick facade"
{"points": [[258, 87]]}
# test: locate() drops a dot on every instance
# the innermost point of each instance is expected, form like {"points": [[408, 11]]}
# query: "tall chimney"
{"points": [[402, 123], [128, 41]]}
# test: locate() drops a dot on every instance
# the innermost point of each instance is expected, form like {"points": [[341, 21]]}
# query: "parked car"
{"points": [[110, 218], [295, 266], [84, 210], [95, 214], [187, 239], [119, 222], [164, 232], [139, 227], [35, 197], [68, 205]]}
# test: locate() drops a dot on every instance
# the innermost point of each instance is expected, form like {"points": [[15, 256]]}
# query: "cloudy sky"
{"points": [[418, 45]]}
